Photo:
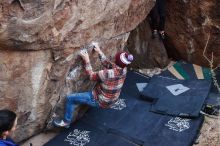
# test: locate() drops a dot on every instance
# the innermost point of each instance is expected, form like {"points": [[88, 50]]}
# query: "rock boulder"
{"points": [[190, 25]]}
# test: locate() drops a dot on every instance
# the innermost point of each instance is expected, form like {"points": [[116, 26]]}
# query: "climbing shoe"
{"points": [[61, 123]]}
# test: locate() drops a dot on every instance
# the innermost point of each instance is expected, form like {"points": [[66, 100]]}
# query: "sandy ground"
{"points": [[210, 135], [40, 139], [210, 132]]}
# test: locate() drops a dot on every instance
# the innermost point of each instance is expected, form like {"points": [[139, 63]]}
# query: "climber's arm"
{"points": [[104, 60], [92, 75]]}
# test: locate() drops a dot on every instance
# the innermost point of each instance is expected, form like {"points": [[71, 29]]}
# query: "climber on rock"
{"points": [[8, 122], [158, 11], [107, 89]]}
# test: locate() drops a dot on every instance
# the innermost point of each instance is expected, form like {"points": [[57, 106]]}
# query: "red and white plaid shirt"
{"points": [[109, 81]]}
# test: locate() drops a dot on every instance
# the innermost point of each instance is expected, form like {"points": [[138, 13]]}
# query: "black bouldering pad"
{"points": [[175, 97], [175, 131], [192, 72], [81, 134], [157, 130]]}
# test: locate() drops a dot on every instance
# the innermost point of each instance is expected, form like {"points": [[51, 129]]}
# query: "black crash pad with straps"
{"points": [[81, 134], [188, 71], [157, 130], [183, 98]]}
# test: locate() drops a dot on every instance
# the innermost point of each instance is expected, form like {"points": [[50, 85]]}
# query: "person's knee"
{"points": [[67, 98], [73, 98], [70, 98]]}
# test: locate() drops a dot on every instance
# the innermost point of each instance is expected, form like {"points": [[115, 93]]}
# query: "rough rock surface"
{"points": [[148, 52], [210, 132], [189, 25], [39, 41], [44, 24]]}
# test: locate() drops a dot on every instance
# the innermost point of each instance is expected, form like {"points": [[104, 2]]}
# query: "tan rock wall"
{"points": [[23, 84]]}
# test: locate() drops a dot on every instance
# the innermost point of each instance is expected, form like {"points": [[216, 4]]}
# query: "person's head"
{"points": [[8, 122], [122, 59]]}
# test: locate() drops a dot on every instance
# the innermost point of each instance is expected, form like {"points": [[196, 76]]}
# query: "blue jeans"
{"points": [[78, 98]]}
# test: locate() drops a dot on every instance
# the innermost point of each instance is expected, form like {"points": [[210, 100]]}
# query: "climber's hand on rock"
{"points": [[84, 54], [96, 47]]}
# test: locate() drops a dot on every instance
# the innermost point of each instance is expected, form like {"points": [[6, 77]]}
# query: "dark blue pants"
{"points": [[78, 98]]}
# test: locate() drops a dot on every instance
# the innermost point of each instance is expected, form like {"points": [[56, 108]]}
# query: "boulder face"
{"points": [[189, 26], [44, 24], [148, 52], [39, 42]]}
